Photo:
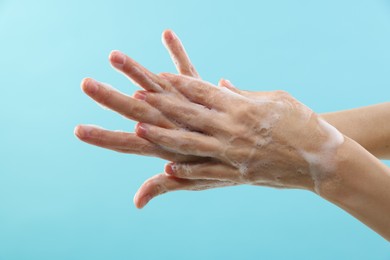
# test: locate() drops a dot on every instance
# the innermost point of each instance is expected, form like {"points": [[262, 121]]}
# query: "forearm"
{"points": [[361, 186], [369, 126]]}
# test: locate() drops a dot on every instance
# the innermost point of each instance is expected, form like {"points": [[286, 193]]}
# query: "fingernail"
{"points": [[169, 168], [83, 131], [169, 36], [91, 86], [142, 129], [117, 59], [140, 95], [145, 200]]}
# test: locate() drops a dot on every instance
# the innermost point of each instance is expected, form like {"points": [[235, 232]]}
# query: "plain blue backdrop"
{"points": [[63, 199]]}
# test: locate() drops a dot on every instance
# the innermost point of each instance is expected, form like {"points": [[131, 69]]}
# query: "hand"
{"points": [[132, 108], [141, 111], [270, 139]]}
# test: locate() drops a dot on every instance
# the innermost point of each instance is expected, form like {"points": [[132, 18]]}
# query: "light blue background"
{"points": [[63, 199]]}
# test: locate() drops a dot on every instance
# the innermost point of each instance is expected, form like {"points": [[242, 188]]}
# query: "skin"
{"points": [[356, 123], [369, 126], [357, 181], [207, 157], [255, 149]]}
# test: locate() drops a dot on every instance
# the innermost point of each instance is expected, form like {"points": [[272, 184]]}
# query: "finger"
{"points": [[126, 143], [214, 170], [162, 183], [206, 171], [178, 54], [202, 92], [137, 73], [249, 94], [227, 84], [181, 141], [127, 106], [187, 114]]}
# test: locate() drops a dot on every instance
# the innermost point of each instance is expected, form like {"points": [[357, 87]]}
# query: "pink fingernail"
{"points": [[83, 131], [140, 95], [169, 168], [169, 36], [141, 129], [117, 59], [91, 86]]}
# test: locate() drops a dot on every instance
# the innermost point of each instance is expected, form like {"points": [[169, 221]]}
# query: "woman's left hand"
{"points": [[271, 139]]}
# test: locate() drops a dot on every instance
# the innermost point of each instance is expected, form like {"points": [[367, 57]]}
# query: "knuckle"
{"points": [[239, 131], [151, 98], [247, 113], [162, 138], [137, 110], [106, 96], [199, 90], [128, 67], [148, 150], [158, 188], [188, 144], [282, 94], [186, 147], [125, 140], [98, 136]]}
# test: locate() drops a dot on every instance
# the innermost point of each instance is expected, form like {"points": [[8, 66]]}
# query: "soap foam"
{"points": [[185, 169], [322, 163], [263, 130]]}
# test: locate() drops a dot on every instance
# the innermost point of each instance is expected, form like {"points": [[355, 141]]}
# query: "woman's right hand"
{"points": [[140, 111], [134, 109]]}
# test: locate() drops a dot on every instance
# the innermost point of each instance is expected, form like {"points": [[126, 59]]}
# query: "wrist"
{"points": [[336, 185], [360, 186], [356, 172]]}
